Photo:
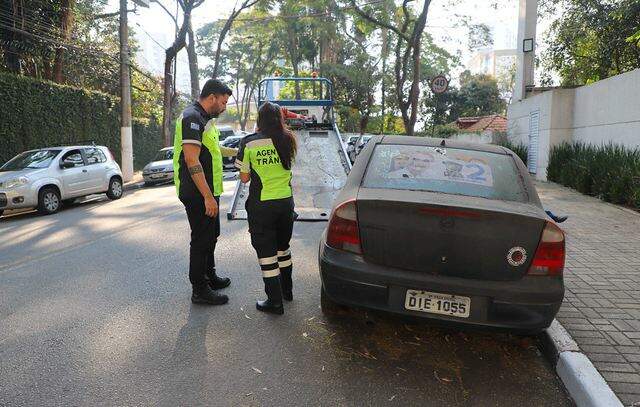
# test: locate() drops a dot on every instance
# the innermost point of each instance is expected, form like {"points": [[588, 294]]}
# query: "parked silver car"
{"points": [[160, 170], [48, 177]]}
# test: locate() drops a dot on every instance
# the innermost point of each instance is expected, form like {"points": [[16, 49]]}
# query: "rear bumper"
{"points": [[529, 304]]}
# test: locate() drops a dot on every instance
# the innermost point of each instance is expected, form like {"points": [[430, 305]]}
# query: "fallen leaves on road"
{"points": [[392, 397], [255, 369], [304, 334]]}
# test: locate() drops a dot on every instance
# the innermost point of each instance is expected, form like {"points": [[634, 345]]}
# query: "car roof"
{"points": [[224, 128], [437, 142], [63, 147]]}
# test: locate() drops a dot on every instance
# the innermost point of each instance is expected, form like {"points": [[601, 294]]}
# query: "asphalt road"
{"points": [[95, 310]]}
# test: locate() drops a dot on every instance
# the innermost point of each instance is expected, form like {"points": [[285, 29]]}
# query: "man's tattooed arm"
{"points": [[196, 169]]}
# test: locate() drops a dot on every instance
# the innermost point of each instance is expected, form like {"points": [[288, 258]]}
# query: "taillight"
{"points": [[342, 232], [549, 258]]}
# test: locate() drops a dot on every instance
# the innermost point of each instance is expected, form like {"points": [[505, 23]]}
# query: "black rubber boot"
{"points": [[273, 304], [203, 294], [287, 283], [216, 282]]}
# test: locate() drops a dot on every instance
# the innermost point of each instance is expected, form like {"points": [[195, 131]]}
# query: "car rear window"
{"points": [[445, 170]]}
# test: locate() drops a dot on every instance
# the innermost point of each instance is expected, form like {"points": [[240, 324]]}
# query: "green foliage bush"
{"points": [[36, 114], [520, 149], [610, 172]]}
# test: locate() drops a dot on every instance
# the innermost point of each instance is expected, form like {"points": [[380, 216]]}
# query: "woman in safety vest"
{"points": [[265, 159]]}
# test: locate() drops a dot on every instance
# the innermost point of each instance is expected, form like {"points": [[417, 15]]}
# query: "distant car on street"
{"points": [[225, 131], [357, 146], [449, 231], [47, 178], [229, 163], [160, 170]]}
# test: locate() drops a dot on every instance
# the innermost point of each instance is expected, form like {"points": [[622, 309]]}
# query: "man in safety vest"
{"points": [[197, 162]]}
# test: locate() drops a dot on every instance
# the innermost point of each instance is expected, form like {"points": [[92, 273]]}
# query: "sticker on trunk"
{"points": [[517, 256]]}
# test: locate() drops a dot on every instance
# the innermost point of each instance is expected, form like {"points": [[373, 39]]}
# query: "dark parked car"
{"points": [[354, 148], [444, 230], [229, 163]]}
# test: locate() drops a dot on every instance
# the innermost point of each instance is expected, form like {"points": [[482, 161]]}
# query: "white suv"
{"points": [[49, 177]]}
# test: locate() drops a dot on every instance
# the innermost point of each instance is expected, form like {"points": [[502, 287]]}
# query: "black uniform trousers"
{"points": [[271, 226], [204, 236]]}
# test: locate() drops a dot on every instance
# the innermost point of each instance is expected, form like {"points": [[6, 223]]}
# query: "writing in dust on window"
{"points": [[436, 164]]}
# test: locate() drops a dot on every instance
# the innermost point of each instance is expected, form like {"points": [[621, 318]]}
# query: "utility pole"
{"points": [[126, 136], [528, 16]]}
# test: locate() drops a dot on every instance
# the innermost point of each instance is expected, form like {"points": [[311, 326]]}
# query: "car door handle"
{"points": [[84, 170]]}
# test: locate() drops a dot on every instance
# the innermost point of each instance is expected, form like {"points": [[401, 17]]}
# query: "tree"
{"points": [[66, 25], [187, 7], [408, 31], [225, 29], [478, 96], [248, 55], [588, 42], [355, 75], [479, 36], [435, 61], [193, 63]]}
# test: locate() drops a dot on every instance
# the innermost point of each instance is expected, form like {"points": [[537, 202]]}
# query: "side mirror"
{"points": [[66, 164]]}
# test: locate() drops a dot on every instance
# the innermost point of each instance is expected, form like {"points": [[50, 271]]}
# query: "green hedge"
{"points": [[37, 114], [610, 172], [520, 149]]}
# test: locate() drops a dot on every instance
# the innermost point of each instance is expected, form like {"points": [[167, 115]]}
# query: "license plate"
{"points": [[157, 175], [436, 303]]}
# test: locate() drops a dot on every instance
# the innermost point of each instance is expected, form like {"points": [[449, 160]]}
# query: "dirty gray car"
{"points": [[160, 169], [443, 230]]}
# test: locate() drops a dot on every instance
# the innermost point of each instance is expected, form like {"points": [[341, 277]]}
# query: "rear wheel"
{"points": [[48, 201], [115, 188]]}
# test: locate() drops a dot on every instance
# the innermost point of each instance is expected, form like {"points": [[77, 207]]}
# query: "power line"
{"points": [[150, 36], [97, 53], [11, 20], [34, 21]]}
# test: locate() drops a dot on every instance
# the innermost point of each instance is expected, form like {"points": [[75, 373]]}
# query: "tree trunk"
{"points": [[385, 55], [12, 59], [66, 25], [170, 54], [223, 34], [193, 64], [225, 30], [166, 105]]}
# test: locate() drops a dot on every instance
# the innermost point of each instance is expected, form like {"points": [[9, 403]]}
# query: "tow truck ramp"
{"points": [[321, 165]]}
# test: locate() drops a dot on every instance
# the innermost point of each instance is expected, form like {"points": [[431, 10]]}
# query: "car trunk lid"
{"points": [[449, 235]]}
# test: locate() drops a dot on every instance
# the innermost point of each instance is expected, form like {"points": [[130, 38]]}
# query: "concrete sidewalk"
{"points": [[136, 181], [602, 303]]}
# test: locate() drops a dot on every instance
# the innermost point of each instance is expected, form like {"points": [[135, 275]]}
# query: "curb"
{"points": [[585, 384], [133, 185]]}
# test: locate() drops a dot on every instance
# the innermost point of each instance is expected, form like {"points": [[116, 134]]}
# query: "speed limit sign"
{"points": [[439, 84]]}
